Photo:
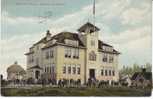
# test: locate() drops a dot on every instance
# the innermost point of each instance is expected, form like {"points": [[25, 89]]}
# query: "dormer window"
{"points": [[105, 58], [107, 48], [71, 42]]}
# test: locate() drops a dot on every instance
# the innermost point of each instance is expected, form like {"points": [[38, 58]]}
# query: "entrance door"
{"points": [[37, 74], [92, 73]]}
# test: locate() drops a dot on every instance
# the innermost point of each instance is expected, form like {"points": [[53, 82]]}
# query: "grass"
{"points": [[50, 91]]}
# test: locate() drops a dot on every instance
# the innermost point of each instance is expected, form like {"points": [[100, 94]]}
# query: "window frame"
{"points": [[106, 73], [69, 69], [78, 70]]}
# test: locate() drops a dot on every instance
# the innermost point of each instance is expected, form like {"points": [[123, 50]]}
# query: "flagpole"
{"points": [[94, 15]]}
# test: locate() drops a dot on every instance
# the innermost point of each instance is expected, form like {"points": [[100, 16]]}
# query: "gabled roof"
{"points": [[88, 25]]}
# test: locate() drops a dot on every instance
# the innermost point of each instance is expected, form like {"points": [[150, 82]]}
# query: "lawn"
{"points": [[50, 91]]}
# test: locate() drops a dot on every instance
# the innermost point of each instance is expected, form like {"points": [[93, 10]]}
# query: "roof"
{"points": [[146, 75], [88, 25], [29, 53], [35, 67], [15, 68], [101, 44], [43, 40], [60, 38]]}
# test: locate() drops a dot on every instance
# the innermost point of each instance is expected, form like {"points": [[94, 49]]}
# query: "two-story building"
{"points": [[73, 56]]}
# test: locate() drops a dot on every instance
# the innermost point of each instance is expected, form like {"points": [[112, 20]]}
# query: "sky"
{"points": [[125, 24]]}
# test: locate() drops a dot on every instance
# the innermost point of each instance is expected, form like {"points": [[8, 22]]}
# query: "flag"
{"points": [[94, 7]]}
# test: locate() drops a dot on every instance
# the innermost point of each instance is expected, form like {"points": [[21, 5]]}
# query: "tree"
{"points": [[130, 70], [148, 67]]}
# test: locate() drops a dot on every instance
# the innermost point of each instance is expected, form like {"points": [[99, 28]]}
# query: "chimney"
{"points": [[48, 35], [15, 62]]}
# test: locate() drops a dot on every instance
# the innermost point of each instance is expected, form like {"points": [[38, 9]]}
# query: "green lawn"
{"points": [[49, 91]]}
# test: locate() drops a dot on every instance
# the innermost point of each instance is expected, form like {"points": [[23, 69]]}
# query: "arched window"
{"points": [[92, 56]]}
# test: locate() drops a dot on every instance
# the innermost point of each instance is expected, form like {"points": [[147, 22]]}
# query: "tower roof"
{"points": [[88, 25]]}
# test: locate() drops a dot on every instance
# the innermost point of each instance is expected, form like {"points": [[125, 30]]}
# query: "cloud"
{"points": [[129, 35], [115, 8], [12, 20], [134, 16]]}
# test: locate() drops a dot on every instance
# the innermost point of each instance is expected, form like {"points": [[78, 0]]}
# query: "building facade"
{"points": [[77, 56]]}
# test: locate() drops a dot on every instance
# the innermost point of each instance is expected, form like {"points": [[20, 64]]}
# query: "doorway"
{"points": [[91, 73], [37, 74]]}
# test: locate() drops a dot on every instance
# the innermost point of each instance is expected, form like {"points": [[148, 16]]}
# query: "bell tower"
{"points": [[89, 35]]}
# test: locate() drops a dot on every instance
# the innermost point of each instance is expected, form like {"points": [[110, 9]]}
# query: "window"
{"points": [[69, 69], [64, 69], [37, 61], [74, 70], [37, 47], [102, 72], [75, 53], [51, 54], [67, 52], [78, 70], [92, 43], [110, 73], [113, 72], [47, 69], [50, 69], [111, 59], [53, 69], [31, 58], [105, 58], [92, 56], [47, 55], [105, 72]]}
